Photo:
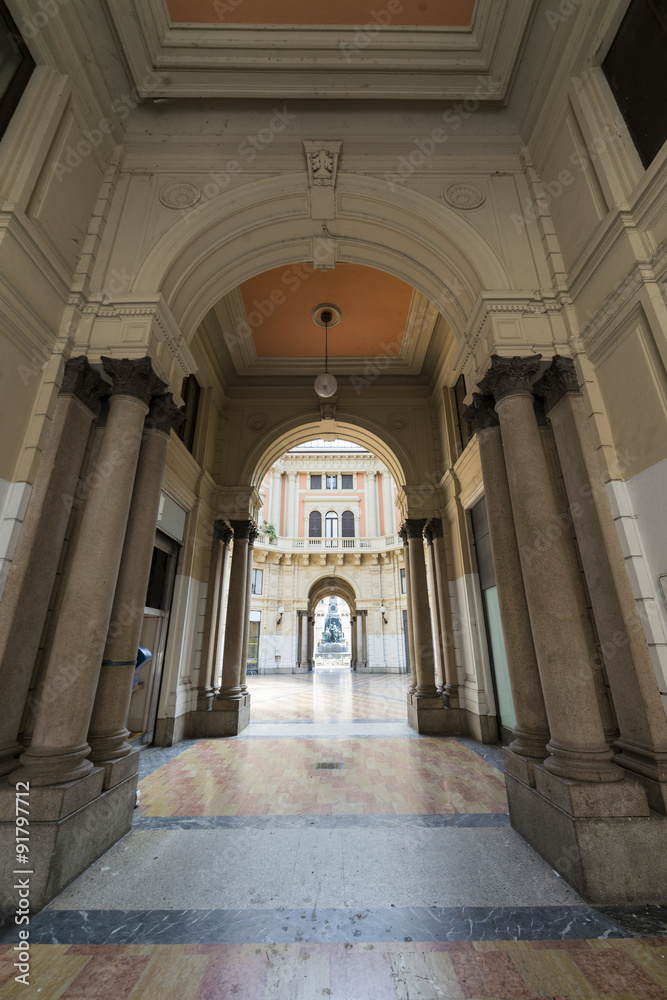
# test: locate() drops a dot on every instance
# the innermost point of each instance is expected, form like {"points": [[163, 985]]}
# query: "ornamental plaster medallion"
{"points": [[258, 421], [463, 196], [180, 196], [398, 421]]}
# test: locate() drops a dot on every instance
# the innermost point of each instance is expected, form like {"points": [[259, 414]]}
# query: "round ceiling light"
{"points": [[325, 385]]}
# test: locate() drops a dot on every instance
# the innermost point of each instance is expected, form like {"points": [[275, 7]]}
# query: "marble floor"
{"points": [[252, 872]]}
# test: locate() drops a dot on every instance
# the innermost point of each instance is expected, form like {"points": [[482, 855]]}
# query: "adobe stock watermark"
{"points": [[365, 34], [291, 280], [453, 119], [553, 189], [92, 138], [30, 26], [565, 10], [247, 152]]}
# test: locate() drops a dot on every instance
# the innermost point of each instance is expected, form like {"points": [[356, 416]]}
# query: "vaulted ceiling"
{"points": [[264, 329]]}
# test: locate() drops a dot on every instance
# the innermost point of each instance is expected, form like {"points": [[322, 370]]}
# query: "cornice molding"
{"points": [[325, 60]]}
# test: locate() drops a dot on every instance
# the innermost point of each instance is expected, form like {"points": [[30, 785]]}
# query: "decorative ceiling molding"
{"points": [[235, 333], [233, 60]]}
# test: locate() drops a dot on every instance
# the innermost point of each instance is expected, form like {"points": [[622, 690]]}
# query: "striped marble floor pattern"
{"points": [[251, 873]]}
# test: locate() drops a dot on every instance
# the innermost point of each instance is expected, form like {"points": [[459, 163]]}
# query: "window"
{"points": [[635, 71], [347, 524], [257, 576], [332, 482], [316, 482], [16, 66], [403, 581], [347, 482], [315, 524], [331, 525], [190, 391], [463, 425]]}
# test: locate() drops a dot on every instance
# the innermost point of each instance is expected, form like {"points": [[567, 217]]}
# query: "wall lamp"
{"points": [[281, 612], [383, 612]]}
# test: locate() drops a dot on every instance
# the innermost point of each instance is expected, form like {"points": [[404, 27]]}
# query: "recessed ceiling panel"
{"points": [[413, 13], [279, 305]]}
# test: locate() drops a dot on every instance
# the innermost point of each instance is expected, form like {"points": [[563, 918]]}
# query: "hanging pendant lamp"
{"points": [[325, 385]]}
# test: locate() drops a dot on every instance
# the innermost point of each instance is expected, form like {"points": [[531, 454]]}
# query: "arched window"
{"points": [[315, 524], [331, 525], [347, 524]]}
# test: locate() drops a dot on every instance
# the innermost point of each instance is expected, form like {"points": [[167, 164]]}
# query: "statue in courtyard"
{"points": [[333, 640]]}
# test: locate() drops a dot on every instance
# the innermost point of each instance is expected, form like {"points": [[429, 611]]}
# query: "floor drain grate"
{"points": [[329, 765]]}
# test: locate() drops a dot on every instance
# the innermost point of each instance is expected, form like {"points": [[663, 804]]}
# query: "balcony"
{"points": [[380, 544]]}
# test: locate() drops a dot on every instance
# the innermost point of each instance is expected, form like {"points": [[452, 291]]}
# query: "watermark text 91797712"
{"points": [[22, 871]]}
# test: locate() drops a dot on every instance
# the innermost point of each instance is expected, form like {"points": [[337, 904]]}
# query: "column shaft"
{"points": [[436, 627], [25, 599], [107, 734], [410, 626], [59, 749], [531, 732], [353, 642], [642, 723], [311, 642], [423, 638], [231, 688], [246, 621], [577, 745], [435, 528]]}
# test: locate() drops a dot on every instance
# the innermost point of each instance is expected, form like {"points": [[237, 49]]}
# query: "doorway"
{"points": [[145, 697]]}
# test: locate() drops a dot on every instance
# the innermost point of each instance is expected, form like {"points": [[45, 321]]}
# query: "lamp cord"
{"points": [[326, 348]]}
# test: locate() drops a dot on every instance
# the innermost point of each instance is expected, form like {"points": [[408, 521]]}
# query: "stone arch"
{"points": [[332, 585], [267, 224], [380, 440]]}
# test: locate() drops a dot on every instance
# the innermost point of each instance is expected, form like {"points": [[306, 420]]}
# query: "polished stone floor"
{"points": [[253, 873]]}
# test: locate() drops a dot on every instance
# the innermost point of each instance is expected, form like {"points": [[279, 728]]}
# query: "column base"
{"points": [[226, 718], [606, 858], [62, 846], [52, 802], [116, 771], [205, 699], [430, 717], [9, 760], [520, 767]]}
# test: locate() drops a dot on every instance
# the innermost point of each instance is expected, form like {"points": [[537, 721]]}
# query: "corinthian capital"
{"points": [[134, 377], [510, 375], [559, 379], [164, 415], [482, 413], [81, 380]]}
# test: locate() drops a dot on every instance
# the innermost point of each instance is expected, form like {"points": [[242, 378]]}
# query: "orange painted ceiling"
{"points": [[374, 308], [424, 13]]}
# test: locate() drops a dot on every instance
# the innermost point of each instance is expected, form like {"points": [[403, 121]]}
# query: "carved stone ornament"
{"points": [[398, 422], [180, 196], [81, 380], [328, 409], [559, 379], [510, 375], [222, 531], [253, 535], [464, 196], [322, 161], [433, 530], [164, 415], [257, 422], [133, 377], [402, 534], [414, 527], [482, 413]]}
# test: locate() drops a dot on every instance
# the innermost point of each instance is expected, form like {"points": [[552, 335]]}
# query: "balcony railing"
{"points": [[378, 544]]}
